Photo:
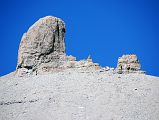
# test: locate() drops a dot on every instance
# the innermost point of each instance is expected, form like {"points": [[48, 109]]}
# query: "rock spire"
{"points": [[44, 42]]}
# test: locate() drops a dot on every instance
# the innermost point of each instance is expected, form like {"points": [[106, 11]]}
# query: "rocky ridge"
{"points": [[42, 50]]}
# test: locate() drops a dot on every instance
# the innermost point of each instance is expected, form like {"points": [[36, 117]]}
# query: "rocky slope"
{"points": [[49, 85], [80, 95]]}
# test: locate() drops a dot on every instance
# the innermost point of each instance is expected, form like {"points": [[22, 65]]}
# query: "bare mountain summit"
{"points": [[49, 85]]}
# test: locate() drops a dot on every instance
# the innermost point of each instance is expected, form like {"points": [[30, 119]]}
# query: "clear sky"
{"points": [[105, 29]]}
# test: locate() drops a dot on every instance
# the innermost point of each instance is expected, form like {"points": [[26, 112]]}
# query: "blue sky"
{"points": [[105, 29]]}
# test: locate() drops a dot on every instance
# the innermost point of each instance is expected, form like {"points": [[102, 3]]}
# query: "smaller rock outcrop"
{"points": [[128, 63], [86, 64]]}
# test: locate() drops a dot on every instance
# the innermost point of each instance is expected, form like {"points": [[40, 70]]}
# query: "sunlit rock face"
{"points": [[42, 50], [44, 42], [128, 63]]}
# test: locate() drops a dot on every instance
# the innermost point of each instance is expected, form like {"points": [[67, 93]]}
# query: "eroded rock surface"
{"points": [[42, 49], [42, 43], [128, 63]]}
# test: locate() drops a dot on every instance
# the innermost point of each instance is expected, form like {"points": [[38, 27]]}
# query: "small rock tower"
{"points": [[128, 63]]}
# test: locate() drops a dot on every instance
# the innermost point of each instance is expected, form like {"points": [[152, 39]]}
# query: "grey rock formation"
{"points": [[128, 63], [42, 50], [42, 43], [85, 64]]}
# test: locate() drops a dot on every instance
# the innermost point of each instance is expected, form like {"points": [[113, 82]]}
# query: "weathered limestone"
{"points": [[128, 63], [42, 43], [87, 64], [42, 50], [71, 58]]}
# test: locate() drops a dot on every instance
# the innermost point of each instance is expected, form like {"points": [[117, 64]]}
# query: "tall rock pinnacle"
{"points": [[42, 43]]}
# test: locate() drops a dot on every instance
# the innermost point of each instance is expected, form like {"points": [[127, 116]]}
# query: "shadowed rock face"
{"points": [[42, 43]]}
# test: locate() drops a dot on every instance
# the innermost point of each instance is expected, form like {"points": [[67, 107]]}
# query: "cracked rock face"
{"points": [[42, 43], [128, 63]]}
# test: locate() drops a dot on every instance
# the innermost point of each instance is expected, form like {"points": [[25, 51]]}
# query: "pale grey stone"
{"points": [[42, 50], [44, 42], [128, 63], [71, 58], [76, 94]]}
